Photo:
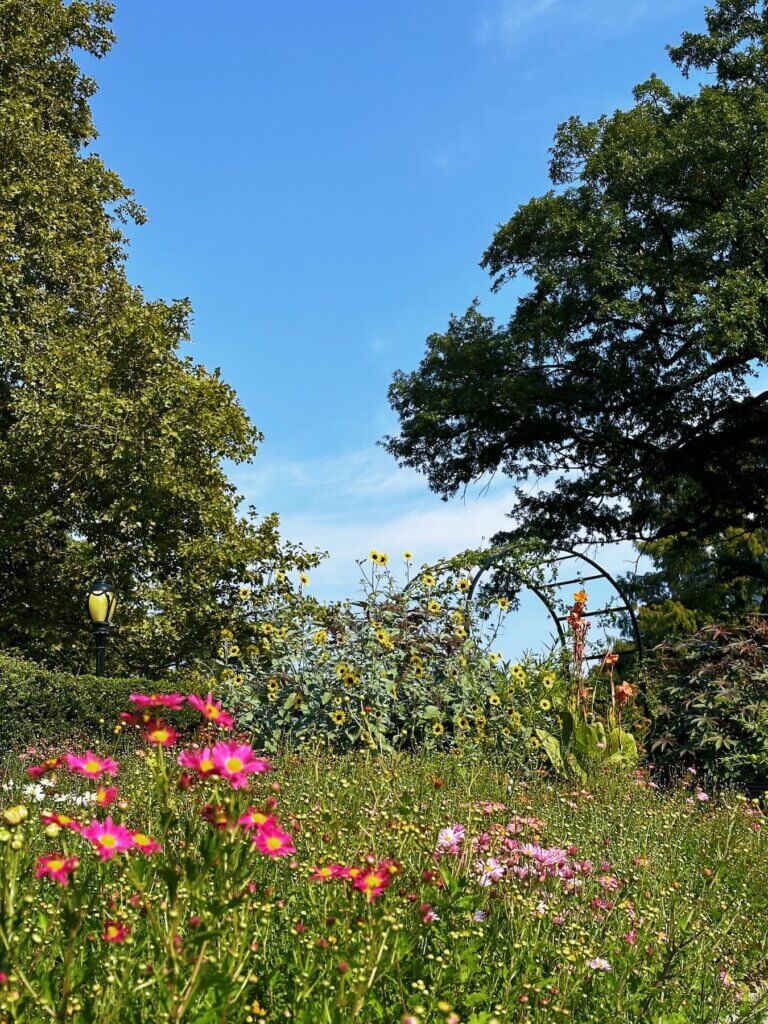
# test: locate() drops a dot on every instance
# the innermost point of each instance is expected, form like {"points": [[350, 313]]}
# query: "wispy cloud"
{"points": [[511, 17], [511, 21]]}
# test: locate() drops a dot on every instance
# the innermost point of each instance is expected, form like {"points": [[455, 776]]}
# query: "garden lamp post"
{"points": [[101, 606]]}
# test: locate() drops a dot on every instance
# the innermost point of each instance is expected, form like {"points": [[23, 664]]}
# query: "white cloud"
{"points": [[512, 20]]}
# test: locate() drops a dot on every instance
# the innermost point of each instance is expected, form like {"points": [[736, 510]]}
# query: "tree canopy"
{"points": [[628, 381], [111, 440]]}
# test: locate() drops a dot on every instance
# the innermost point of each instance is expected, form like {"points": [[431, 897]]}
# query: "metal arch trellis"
{"points": [[541, 591]]}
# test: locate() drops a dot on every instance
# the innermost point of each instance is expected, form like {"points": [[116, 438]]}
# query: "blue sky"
{"points": [[321, 180]]}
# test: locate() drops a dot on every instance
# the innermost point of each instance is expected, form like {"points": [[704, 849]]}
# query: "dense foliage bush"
{"points": [[710, 697], [405, 667], [38, 706]]}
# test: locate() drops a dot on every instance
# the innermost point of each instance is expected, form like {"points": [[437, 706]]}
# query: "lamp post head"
{"points": [[101, 604]]}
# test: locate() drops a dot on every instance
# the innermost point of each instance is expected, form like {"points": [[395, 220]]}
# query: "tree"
{"points": [[111, 440], [627, 379], [694, 584]]}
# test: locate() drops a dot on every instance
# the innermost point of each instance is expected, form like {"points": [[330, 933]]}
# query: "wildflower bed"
{"points": [[203, 884]]}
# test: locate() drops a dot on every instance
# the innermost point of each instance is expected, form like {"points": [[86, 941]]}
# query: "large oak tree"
{"points": [[111, 439], [630, 371]]}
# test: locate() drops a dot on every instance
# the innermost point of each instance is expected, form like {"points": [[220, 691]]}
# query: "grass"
{"points": [[665, 927]]}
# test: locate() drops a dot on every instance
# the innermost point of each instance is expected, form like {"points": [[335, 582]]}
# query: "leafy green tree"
{"points": [[627, 379], [111, 440], [694, 584]]}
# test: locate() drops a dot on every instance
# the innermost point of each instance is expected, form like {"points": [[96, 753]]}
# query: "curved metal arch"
{"points": [[568, 554], [539, 590]]}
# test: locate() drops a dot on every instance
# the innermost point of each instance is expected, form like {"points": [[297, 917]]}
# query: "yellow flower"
{"points": [[408, 556], [494, 658], [438, 728], [239, 679], [418, 671], [304, 579], [462, 722], [534, 742], [428, 580], [545, 704], [580, 597], [463, 584], [548, 680], [433, 607], [342, 669], [227, 634], [503, 603], [515, 718], [234, 650], [227, 673], [338, 717], [460, 632], [378, 557], [320, 637], [494, 700], [280, 576], [272, 684], [244, 593]]}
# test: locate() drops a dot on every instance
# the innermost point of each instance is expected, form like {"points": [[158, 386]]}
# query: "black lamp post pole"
{"points": [[100, 631]]}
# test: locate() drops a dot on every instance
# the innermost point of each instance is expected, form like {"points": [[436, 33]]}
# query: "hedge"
{"points": [[40, 707]]}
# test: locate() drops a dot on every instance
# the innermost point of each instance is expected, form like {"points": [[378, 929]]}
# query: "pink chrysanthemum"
{"points": [[212, 710], [200, 761], [327, 872], [174, 701], [272, 841], [90, 766], [115, 931], [372, 881], [62, 820], [57, 867], [36, 771], [235, 761], [254, 818], [106, 795], [145, 844], [108, 837], [160, 734]]}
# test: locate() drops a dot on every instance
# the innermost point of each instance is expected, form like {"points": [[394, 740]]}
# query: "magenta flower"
{"points": [[90, 766], [57, 867], [235, 761], [200, 761], [174, 701], [212, 710], [108, 837]]}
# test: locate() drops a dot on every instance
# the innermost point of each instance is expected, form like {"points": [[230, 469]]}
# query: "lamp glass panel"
{"points": [[98, 607]]}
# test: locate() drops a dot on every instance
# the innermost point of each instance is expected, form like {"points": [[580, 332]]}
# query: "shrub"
{"points": [[710, 697], [410, 667], [39, 706]]}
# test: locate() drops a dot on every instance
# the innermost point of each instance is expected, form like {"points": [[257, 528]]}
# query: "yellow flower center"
{"points": [[107, 840], [161, 735], [55, 865], [91, 766], [206, 765], [140, 839], [234, 764], [274, 843], [212, 711]]}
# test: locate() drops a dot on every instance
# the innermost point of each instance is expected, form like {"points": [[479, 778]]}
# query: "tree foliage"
{"points": [[693, 584], [627, 379], [111, 439]]}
